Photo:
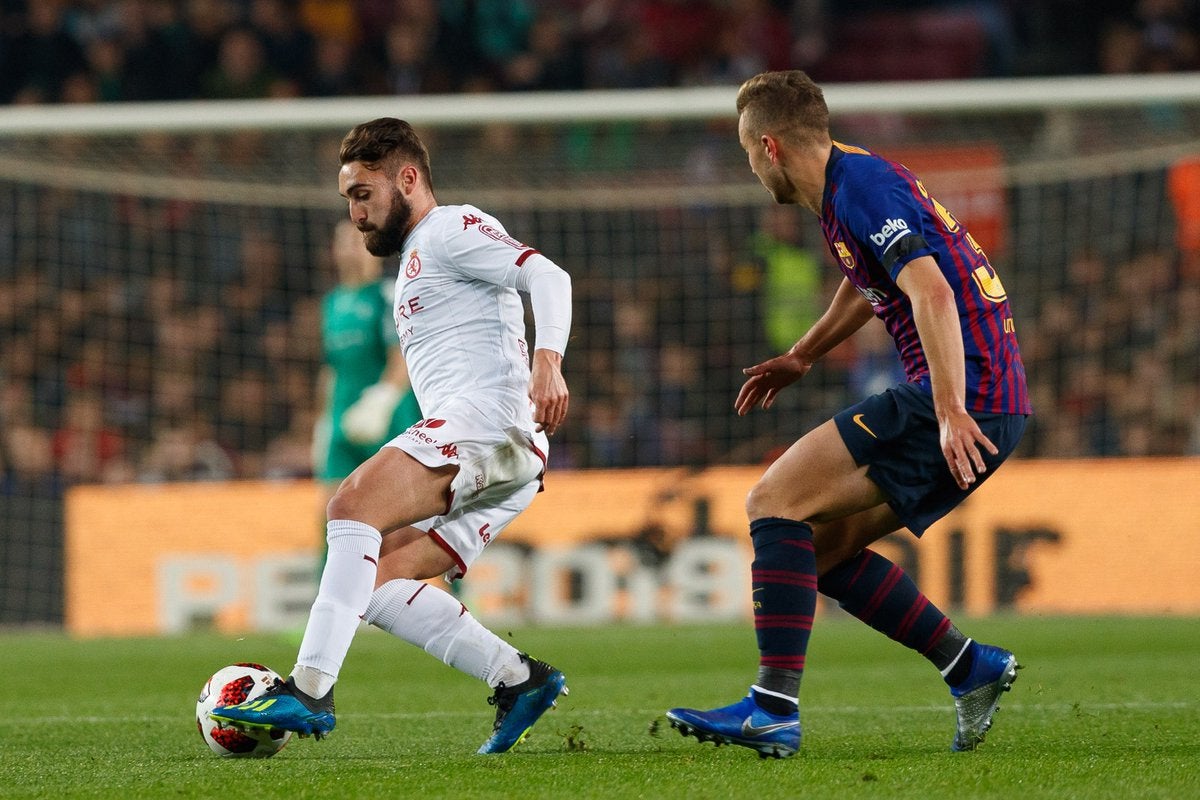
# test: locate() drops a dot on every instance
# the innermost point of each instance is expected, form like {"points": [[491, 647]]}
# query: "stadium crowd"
{"points": [[140, 379], [119, 376], [131, 50]]}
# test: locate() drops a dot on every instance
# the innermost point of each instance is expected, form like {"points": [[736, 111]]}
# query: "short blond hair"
{"points": [[785, 104]]}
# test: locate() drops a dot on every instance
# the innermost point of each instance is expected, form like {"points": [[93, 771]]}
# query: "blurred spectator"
{"points": [[242, 70], [409, 70], [249, 416], [40, 56], [205, 23], [680, 406], [331, 19], [625, 57], [290, 454], [177, 394], [810, 26], [256, 298], [606, 437], [875, 365], [26, 450], [636, 376], [130, 54], [680, 32], [754, 36], [1088, 401], [184, 451], [1152, 36], [86, 448], [107, 59], [553, 60], [478, 37], [635, 345], [288, 45], [334, 70], [1180, 341], [792, 276]]}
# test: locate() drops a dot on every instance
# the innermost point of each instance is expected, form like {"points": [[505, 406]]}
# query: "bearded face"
{"points": [[387, 239]]}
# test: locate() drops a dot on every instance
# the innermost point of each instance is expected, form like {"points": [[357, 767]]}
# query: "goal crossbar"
{"points": [[554, 107]]}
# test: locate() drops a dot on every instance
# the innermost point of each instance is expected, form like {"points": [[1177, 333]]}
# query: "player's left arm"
{"points": [[482, 250], [549, 288], [935, 312]]}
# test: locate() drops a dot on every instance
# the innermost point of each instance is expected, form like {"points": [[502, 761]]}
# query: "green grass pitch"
{"points": [[1105, 708]]}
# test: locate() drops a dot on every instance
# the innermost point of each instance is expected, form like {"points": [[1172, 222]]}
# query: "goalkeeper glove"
{"points": [[368, 419]]}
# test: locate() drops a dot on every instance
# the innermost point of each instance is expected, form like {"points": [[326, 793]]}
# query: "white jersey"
{"points": [[460, 318]]}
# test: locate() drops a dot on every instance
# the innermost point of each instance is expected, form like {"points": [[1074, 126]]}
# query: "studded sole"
{"points": [[764, 750]]}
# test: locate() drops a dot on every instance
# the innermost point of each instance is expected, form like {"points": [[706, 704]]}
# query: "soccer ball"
{"points": [[229, 686]]}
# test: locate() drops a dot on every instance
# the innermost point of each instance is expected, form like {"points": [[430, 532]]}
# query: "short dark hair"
{"points": [[787, 104], [386, 143]]}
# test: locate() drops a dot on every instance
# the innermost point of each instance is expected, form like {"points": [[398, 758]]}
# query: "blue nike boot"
{"points": [[742, 723], [977, 698]]}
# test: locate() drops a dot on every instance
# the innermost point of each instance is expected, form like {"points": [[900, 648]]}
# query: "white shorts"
{"points": [[500, 467]]}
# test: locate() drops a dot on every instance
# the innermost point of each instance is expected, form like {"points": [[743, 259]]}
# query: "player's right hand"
{"points": [[767, 378], [961, 440]]}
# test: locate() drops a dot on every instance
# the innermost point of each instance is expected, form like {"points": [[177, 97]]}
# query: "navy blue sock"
{"points": [[882, 595], [784, 593]]}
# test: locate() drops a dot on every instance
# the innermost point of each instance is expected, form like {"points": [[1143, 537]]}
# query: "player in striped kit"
{"points": [[433, 497], [903, 458]]}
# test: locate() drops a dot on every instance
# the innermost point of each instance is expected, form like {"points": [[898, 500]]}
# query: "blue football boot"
{"points": [[977, 698], [742, 723], [519, 707], [282, 706]]}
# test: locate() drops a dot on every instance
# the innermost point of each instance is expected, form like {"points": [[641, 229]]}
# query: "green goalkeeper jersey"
{"points": [[356, 333]]}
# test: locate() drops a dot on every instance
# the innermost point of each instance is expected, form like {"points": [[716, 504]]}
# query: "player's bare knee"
{"points": [[764, 500], [346, 503]]}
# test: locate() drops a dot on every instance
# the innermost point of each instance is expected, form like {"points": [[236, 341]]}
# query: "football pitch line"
{"points": [[1046, 708]]}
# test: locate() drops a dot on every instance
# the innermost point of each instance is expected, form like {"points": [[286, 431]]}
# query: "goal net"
{"points": [[161, 267]]}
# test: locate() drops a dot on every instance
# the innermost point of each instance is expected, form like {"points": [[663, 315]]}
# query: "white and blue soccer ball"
{"points": [[231, 685]]}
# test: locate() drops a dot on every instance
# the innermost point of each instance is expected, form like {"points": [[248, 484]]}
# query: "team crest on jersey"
{"points": [[844, 254], [413, 268], [470, 219]]}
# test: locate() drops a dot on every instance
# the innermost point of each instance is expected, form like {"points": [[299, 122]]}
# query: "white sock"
{"points": [[343, 596], [440, 625]]}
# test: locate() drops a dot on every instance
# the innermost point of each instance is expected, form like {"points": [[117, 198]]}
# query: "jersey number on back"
{"points": [[985, 277]]}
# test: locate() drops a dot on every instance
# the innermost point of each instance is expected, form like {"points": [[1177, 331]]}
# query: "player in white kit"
{"points": [[432, 498]]}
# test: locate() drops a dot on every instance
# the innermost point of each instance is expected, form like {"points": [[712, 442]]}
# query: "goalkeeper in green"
{"points": [[365, 392]]}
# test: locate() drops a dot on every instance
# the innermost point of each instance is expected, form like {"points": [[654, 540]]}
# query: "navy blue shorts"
{"points": [[895, 433]]}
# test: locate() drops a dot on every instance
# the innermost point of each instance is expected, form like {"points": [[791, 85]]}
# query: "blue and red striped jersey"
{"points": [[877, 217]]}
